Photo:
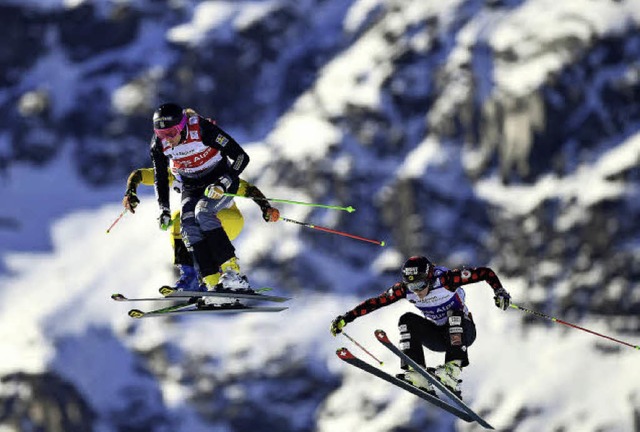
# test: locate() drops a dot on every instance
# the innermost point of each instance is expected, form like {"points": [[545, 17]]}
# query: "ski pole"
{"points": [[348, 209], [329, 230], [116, 221], [541, 315], [362, 348]]}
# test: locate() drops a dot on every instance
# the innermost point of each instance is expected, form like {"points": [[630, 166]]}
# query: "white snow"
{"points": [[61, 266], [588, 185], [214, 15]]}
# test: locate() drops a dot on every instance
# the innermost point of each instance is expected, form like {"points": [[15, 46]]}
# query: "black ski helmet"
{"points": [[417, 273], [167, 115]]}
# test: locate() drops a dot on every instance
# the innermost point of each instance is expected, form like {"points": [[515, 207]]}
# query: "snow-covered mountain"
{"points": [[479, 132]]}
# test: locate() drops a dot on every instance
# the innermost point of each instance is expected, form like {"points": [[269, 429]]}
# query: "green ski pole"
{"points": [[347, 209]]}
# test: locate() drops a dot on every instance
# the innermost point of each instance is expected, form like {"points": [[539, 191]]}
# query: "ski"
{"points": [[122, 298], [384, 340], [345, 355], [173, 293], [137, 313], [191, 308]]}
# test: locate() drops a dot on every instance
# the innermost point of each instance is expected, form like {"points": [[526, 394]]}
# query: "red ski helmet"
{"points": [[169, 120], [417, 273]]}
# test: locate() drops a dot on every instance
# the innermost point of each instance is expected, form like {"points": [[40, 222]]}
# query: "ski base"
{"points": [[384, 340], [345, 355]]}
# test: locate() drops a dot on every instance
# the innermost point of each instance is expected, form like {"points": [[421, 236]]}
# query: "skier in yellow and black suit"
{"points": [[231, 219]]}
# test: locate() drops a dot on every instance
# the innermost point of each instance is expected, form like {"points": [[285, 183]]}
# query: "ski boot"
{"points": [[449, 375], [228, 280], [417, 380], [188, 280], [232, 280], [211, 302]]}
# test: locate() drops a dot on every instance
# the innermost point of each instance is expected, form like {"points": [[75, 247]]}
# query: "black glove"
{"points": [[501, 298], [130, 200], [164, 220], [338, 324]]}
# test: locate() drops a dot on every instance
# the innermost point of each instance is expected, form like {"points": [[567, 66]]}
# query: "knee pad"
{"points": [[405, 336], [456, 332]]}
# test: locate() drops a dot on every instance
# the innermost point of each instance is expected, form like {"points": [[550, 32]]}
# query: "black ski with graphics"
{"points": [[345, 355], [384, 340]]}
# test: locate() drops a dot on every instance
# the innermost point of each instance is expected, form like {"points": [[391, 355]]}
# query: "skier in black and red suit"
{"points": [[445, 323]]}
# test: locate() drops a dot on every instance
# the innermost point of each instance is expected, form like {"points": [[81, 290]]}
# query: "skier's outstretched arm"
{"points": [[139, 176], [269, 213], [392, 295], [456, 278], [161, 182]]}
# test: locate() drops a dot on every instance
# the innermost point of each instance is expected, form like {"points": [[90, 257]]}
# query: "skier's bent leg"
{"points": [[414, 330], [461, 334], [409, 325]]}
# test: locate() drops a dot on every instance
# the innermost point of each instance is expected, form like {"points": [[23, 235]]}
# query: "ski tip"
{"points": [[118, 297], [382, 243], [344, 353], [136, 313], [166, 290], [381, 335], [350, 209]]}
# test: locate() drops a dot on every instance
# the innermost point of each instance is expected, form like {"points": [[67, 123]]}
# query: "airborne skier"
{"points": [[231, 219], [209, 162], [446, 325]]}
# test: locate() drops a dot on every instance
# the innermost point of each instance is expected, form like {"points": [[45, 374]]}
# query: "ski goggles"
{"points": [[416, 286], [171, 132]]}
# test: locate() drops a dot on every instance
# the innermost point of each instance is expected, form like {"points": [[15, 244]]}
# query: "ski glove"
{"points": [[271, 214], [130, 200], [218, 189], [164, 220], [337, 325], [502, 299]]}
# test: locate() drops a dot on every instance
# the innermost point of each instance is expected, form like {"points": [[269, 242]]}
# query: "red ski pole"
{"points": [[362, 348], [329, 230], [116, 221], [550, 318]]}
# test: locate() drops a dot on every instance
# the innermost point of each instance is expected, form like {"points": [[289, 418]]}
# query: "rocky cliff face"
{"points": [[472, 131]]}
